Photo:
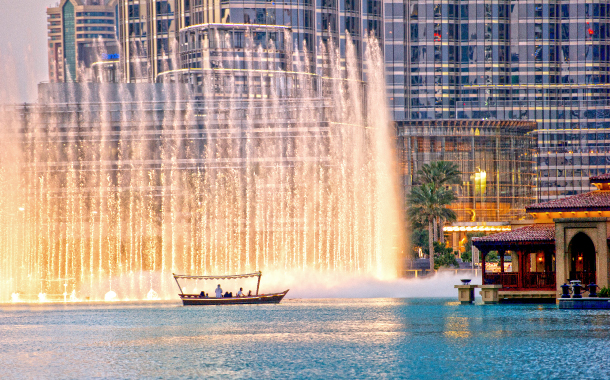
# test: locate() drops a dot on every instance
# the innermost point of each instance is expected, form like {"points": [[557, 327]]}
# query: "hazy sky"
{"points": [[23, 51]]}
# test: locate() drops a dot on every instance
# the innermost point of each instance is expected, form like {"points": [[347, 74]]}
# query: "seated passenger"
{"points": [[249, 293], [202, 294], [227, 295], [241, 293]]}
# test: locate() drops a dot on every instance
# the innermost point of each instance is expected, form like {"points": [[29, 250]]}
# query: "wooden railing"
{"points": [[507, 280], [539, 280], [531, 280]]}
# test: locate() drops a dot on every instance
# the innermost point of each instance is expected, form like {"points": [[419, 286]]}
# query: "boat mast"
{"points": [[259, 281]]}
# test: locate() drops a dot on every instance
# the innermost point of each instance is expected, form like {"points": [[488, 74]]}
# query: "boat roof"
{"points": [[219, 277]]}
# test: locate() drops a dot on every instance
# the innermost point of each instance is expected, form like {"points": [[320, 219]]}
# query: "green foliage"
{"points": [[444, 256], [439, 173], [467, 255], [427, 203], [429, 200], [492, 257], [469, 236], [604, 292], [419, 239]]}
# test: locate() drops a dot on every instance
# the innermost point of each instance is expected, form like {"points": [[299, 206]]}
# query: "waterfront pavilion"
{"points": [[567, 240]]}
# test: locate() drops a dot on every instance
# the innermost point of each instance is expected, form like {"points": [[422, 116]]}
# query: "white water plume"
{"points": [[108, 189]]}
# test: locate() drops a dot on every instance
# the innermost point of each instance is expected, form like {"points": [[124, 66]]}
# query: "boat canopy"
{"points": [[221, 277]]}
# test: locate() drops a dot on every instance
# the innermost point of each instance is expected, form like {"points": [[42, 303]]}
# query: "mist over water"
{"points": [[309, 284], [112, 188]]}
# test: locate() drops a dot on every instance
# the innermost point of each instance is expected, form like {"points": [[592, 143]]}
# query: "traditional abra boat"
{"points": [[200, 299]]}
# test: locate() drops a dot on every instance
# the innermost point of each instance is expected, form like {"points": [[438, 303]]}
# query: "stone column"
{"points": [[601, 255], [561, 257]]}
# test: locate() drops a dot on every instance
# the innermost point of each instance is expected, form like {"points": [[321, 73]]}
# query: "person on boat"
{"points": [[227, 295], [249, 293], [218, 292], [202, 294], [241, 293]]}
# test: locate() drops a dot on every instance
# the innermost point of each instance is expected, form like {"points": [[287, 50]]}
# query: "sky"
{"points": [[23, 51]]}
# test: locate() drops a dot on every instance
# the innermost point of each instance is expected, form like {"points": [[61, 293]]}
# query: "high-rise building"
{"points": [[81, 33], [150, 30], [543, 61]]}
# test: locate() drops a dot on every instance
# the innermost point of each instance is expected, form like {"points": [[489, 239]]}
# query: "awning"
{"points": [[221, 277]]}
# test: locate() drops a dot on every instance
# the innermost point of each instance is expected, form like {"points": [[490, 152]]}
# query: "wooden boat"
{"points": [[197, 299]]}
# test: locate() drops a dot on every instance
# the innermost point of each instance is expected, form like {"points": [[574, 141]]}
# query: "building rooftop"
{"points": [[537, 233], [598, 200], [602, 178]]}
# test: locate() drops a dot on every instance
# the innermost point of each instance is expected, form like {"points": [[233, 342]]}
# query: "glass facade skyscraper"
{"points": [[150, 29], [81, 34], [543, 61]]}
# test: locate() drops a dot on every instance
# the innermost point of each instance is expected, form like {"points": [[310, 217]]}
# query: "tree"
{"points": [[419, 238], [439, 174], [427, 204], [444, 256], [467, 255]]}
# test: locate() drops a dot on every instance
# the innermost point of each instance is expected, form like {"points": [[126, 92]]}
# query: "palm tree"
{"points": [[428, 203], [439, 174]]}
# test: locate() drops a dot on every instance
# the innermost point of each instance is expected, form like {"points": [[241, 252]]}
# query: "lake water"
{"points": [[334, 338]]}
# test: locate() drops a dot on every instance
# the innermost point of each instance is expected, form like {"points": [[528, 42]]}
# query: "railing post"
{"points": [[483, 254], [501, 253], [521, 267]]}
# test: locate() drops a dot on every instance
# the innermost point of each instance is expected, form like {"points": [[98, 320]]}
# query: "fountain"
{"points": [[109, 188]]}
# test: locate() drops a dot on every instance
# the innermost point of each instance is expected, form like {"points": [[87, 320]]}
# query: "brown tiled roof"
{"points": [[602, 178], [537, 234], [598, 200]]}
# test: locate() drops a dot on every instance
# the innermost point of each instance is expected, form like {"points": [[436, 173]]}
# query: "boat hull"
{"points": [[197, 300]]}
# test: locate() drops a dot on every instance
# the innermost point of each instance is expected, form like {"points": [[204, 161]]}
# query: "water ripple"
{"points": [[350, 339]]}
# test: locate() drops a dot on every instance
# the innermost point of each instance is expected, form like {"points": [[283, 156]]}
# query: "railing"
{"points": [[539, 280], [531, 280], [585, 278], [507, 280]]}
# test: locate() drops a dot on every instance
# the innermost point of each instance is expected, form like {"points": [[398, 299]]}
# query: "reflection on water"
{"points": [[338, 338]]}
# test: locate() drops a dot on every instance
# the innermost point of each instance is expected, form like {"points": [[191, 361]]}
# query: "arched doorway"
{"points": [[582, 259]]}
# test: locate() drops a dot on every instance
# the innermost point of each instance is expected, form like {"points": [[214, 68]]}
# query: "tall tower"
{"points": [[149, 30], [80, 34], [544, 61]]}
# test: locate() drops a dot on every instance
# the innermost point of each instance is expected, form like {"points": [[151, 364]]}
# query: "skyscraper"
{"points": [[149, 30], [530, 60], [81, 33]]}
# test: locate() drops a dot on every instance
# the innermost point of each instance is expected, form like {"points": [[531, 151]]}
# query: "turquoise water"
{"points": [[336, 338]]}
